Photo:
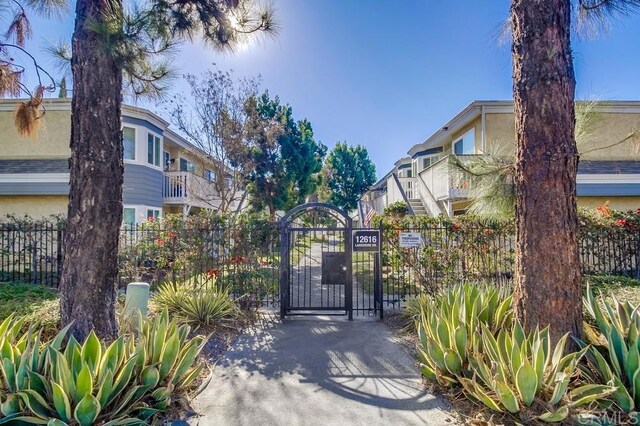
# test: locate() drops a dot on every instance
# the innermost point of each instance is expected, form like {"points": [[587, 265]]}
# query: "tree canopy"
{"points": [[283, 156], [349, 172]]}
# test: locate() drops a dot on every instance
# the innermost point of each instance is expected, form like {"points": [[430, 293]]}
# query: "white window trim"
{"points": [[160, 148], [188, 161], [135, 141], [472, 135]]}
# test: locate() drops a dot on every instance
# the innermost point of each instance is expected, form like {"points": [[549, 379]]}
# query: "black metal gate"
{"points": [[319, 273]]}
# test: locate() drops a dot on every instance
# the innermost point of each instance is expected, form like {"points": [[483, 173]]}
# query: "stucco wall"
{"points": [[52, 140], [37, 206], [616, 203], [607, 128]]}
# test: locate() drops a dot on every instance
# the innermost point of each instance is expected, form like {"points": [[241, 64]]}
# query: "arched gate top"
{"points": [[298, 211]]}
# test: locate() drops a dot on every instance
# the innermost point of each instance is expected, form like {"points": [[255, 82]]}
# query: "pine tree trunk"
{"points": [[548, 278], [88, 282]]}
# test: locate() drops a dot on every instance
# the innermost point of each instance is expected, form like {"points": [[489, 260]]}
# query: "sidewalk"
{"points": [[316, 371]]}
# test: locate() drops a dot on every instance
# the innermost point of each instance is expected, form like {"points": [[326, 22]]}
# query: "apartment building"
{"points": [[164, 173]]}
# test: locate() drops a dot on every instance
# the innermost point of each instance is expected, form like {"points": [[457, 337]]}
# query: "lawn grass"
{"points": [[39, 305], [24, 299], [622, 288]]}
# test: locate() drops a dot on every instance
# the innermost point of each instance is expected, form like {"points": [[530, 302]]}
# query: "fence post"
{"points": [[379, 285], [59, 244]]}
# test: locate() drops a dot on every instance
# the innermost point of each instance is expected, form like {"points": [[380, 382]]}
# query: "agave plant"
{"points": [[513, 370], [449, 325], [198, 301], [126, 382], [614, 357]]}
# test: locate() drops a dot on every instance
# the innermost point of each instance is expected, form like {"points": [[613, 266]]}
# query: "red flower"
{"points": [[456, 227], [160, 242], [171, 235], [213, 273], [151, 219], [622, 222]]}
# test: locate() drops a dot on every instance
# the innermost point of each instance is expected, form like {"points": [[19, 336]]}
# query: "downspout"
{"points": [[484, 130]]}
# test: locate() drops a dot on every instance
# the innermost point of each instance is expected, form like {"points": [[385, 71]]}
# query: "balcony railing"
{"points": [[408, 185], [444, 180], [190, 189]]}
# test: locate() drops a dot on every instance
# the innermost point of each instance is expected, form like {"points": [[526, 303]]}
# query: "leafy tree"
{"points": [[284, 158], [213, 118], [112, 49], [349, 172], [548, 280]]}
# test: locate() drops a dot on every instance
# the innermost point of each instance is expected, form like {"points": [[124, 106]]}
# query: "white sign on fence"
{"points": [[410, 240]]}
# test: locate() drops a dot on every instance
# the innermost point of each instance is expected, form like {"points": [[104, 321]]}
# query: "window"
{"points": [[209, 175], [429, 161], [166, 161], [129, 217], [408, 173], [465, 145], [153, 214], [153, 149], [414, 168], [129, 141], [186, 165]]}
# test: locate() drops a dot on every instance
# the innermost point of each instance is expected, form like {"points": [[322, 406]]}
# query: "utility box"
{"points": [[334, 268]]}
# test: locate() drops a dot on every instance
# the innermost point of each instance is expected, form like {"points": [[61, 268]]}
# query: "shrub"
{"points": [[449, 327], [398, 209], [126, 382], [516, 369], [615, 355], [198, 300]]}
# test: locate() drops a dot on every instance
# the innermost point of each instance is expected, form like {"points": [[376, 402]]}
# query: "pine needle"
{"points": [[28, 114]]}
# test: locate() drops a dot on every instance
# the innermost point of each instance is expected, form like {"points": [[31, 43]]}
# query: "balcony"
{"points": [[188, 189], [444, 181]]}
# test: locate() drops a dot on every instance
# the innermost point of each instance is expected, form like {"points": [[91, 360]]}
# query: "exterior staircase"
{"points": [[417, 207]]}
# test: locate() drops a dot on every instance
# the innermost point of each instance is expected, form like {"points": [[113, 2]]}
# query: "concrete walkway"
{"points": [[316, 371]]}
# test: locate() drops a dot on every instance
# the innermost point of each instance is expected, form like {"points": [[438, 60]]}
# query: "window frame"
{"points": [[124, 144], [470, 138], [153, 213], [124, 212], [193, 165], [156, 146]]}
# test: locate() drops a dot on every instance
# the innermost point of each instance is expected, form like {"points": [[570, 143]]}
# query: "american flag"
{"points": [[371, 212]]}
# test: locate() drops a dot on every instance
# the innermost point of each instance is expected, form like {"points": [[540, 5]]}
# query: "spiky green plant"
{"points": [[614, 357], [513, 370], [125, 382], [198, 300], [449, 326]]}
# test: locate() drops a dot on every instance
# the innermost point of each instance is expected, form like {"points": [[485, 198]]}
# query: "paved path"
{"points": [[316, 371]]}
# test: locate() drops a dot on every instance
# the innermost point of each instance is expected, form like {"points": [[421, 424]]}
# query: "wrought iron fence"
{"points": [[246, 256]]}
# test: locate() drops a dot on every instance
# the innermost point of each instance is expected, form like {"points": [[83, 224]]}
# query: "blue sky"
{"points": [[387, 74]]}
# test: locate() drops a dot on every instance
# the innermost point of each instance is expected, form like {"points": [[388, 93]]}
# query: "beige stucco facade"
{"points": [[36, 206], [609, 169], [30, 166], [51, 141], [616, 203]]}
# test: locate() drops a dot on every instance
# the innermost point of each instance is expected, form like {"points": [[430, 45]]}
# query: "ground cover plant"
{"points": [[523, 377], [127, 381]]}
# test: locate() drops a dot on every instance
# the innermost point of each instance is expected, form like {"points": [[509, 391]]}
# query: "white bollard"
{"points": [[137, 298]]}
